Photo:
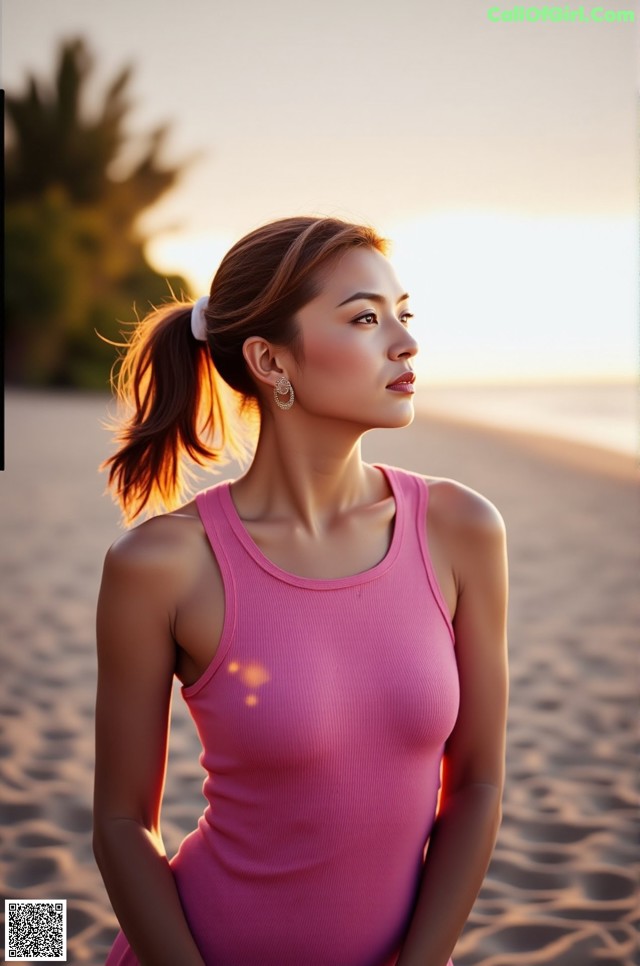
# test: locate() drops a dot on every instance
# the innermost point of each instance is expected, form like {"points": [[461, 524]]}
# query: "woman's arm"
{"points": [[136, 660], [469, 811]]}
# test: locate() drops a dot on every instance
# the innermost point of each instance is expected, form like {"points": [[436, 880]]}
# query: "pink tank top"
{"points": [[322, 717]]}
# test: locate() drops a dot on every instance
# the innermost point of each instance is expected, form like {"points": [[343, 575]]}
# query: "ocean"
{"points": [[602, 414]]}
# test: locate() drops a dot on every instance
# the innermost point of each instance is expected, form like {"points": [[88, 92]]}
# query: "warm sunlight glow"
{"points": [[195, 257], [510, 299]]}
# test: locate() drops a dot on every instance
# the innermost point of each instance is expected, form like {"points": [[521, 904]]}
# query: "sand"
{"points": [[561, 889]]}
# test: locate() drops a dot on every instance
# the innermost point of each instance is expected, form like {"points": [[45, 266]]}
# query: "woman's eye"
{"points": [[372, 316], [363, 318]]}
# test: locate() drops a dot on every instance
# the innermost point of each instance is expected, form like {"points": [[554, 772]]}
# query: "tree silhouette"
{"points": [[54, 144], [75, 257]]}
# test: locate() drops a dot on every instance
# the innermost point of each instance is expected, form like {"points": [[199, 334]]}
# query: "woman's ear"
{"points": [[263, 362]]}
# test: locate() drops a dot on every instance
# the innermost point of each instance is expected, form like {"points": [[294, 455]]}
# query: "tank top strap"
{"points": [[215, 524], [410, 493], [413, 491], [210, 506]]}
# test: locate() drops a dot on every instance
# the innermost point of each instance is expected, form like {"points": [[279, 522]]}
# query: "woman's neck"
{"points": [[311, 474]]}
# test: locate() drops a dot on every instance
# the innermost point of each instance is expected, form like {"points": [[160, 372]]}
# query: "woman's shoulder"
{"points": [[454, 502], [469, 529], [456, 508], [461, 505], [162, 543]]}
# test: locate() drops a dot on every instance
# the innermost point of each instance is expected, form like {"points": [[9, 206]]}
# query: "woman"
{"points": [[338, 629]]}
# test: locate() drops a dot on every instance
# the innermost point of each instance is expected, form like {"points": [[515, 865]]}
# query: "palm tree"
{"points": [[52, 143], [74, 254]]}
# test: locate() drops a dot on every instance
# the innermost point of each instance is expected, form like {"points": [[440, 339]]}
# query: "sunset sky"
{"points": [[501, 158]]}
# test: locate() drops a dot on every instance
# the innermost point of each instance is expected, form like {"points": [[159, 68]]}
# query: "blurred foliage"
{"points": [[74, 256]]}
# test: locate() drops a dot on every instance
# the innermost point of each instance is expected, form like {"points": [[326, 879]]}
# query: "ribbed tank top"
{"points": [[322, 718]]}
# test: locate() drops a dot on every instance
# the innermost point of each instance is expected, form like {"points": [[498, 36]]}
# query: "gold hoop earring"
{"points": [[281, 388]]}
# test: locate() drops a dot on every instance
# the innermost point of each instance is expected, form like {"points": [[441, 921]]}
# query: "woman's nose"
{"points": [[404, 345]]}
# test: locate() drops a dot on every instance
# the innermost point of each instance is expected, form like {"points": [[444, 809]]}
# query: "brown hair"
{"points": [[197, 399]]}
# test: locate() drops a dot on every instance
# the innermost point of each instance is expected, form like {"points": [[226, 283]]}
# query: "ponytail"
{"points": [[177, 411]]}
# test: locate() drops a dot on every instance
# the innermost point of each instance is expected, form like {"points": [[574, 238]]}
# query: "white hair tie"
{"points": [[199, 319]]}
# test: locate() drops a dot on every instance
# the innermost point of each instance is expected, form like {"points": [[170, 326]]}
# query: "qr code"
{"points": [[35, 929]]}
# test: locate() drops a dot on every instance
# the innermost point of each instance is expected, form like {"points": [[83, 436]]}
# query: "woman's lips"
{"points": [[407, 387], [404, 382]]}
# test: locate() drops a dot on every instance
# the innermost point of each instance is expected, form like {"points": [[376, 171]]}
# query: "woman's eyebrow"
{"points": [[370, 295]]}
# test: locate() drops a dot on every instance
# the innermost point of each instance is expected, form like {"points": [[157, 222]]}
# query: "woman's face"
{"points": [[356, 342]]}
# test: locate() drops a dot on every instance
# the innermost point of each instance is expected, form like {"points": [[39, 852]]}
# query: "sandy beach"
{"points": [[562, 887]]}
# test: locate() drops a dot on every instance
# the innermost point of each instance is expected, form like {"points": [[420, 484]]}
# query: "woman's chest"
{"points": [[300, 681]]}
